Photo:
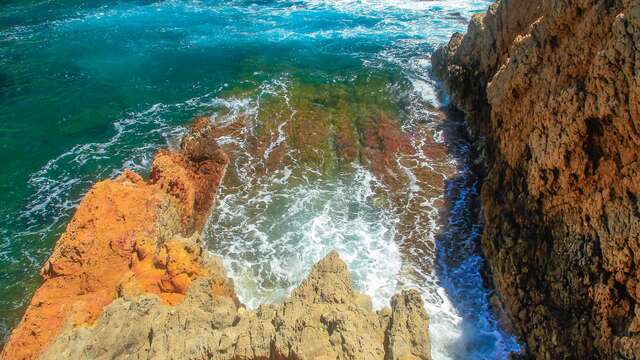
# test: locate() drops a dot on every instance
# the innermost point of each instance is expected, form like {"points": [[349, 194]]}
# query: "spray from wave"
{"points": [[274, 219]]}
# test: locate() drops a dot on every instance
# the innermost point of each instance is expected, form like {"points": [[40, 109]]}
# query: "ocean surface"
{"points": [[89, 88]]}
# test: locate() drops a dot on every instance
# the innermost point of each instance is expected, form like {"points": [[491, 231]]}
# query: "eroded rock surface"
{"points": [[130, 236], [322, 319], [552, 91]]}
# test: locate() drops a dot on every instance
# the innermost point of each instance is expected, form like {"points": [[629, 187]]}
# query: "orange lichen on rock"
{"points": [[129, 236]]}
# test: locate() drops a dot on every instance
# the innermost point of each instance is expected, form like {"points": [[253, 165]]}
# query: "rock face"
{"points": [[322, 319], [129, 279], [551, 90]]}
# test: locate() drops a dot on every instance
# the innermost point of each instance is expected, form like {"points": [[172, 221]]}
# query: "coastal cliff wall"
{"points": [[130, 278], [551, 90]]}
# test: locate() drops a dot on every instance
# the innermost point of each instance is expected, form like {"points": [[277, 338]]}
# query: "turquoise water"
{"points": [[88, 88]]}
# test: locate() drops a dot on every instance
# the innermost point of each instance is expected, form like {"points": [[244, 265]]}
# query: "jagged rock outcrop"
{"points": [[130, 279], [551, 90], [129, 236], [322, 319]]}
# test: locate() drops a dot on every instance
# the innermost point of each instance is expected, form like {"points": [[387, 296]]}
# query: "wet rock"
{"points": [[551, 91]]}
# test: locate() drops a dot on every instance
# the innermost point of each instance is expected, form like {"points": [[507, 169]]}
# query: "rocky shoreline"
{"points": [[130, 278], [551, 94]]}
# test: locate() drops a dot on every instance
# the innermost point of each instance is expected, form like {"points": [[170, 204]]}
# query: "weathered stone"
{"points": [[129, 237], [406, 335], [320, 320], [552, 92]]}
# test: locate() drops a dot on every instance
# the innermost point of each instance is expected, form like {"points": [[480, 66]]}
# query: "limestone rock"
{"points": [[320, 320], [406, 338], [552, 92], [129, 236]]}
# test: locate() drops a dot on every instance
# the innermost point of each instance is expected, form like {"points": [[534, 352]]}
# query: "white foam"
{"points": [[270, 230], [294, 227]]}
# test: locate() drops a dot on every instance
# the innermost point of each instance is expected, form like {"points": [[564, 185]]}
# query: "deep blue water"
{"points": [[88, 88]]}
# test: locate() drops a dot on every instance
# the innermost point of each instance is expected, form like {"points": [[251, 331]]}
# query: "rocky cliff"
{"points": [[551, 90], [322, 319], [129, 278]]}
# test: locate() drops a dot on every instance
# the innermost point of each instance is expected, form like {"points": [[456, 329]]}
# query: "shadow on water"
{"points": [[461, 266]]}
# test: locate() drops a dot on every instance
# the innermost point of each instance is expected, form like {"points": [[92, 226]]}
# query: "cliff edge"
{"points": [[129, 278], [551, 90], [129, 235]]}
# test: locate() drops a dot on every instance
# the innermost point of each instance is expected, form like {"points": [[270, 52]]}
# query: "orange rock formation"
{"points": [[129, 236]]}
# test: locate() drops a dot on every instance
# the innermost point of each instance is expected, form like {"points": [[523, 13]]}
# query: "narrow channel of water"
{"points": [[317, 167]]}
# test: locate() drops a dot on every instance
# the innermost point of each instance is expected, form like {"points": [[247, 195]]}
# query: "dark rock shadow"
{"points": [[460, 264]]}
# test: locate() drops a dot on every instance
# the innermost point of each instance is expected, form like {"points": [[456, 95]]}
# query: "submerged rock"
{"points": [[130, 279], [551, 89], [322, 319]]}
